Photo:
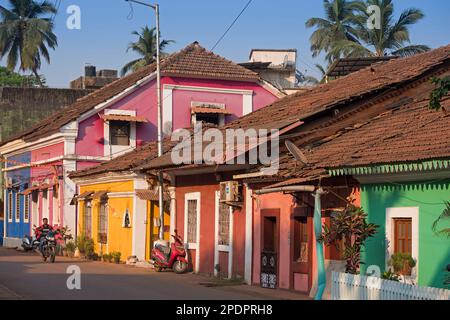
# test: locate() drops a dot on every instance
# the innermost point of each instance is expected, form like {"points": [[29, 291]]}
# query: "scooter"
{"points": [[166, 256], [30, 243]]}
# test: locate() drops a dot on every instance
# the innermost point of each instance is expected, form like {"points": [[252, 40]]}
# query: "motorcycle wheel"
{"points": [[180, 267], [52, 255]]}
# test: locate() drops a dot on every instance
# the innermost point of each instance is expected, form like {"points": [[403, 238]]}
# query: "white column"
{"points": [[139, 221], [167, 110], [248, 234], [173, 211], [247, 103]]}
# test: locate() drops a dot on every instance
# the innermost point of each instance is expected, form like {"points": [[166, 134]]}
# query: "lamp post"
{"points": [[160, 129]]}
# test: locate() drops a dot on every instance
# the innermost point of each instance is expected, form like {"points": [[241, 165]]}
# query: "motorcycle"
{"points": [[49, 246], [165, 256]]}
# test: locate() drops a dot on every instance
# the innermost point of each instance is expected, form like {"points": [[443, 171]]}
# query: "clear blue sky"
{"points": [[106, 30]]}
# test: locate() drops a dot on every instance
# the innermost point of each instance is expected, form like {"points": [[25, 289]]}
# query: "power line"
{"points": [[232, 24]]}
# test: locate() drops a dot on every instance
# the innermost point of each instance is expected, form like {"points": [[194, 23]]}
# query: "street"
{"points": [[25, 276]]}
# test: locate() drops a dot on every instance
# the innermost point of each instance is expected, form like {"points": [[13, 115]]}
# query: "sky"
{"points": [[106, 27]]}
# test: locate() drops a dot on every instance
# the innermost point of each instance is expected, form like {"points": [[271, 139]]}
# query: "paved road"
{"points": [[25, 276]]}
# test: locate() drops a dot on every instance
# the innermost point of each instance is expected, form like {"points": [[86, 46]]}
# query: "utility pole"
{"points": [[160, 125]]}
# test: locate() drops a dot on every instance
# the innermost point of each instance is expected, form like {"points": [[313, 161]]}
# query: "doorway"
{"points": [[270, 243]]}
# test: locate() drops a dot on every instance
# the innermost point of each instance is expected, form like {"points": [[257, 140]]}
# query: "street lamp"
{"points": [[160, 129]]}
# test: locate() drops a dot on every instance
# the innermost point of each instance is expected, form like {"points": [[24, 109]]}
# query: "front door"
{"points": [[270, 235], [301, 253]]}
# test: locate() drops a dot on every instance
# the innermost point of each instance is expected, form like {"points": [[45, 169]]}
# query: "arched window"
{"points": [[126, 222]]}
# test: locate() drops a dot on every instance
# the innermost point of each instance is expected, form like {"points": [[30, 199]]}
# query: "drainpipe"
{"points": [[321, 274], [285, 189]]}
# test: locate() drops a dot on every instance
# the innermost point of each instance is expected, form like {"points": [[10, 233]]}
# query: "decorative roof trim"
{"points": [[430, 165]]}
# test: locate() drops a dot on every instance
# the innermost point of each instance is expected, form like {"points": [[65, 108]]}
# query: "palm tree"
{"points": [[392, 38], [338, 25], [26, 33], [145, 46], [311, 80]]}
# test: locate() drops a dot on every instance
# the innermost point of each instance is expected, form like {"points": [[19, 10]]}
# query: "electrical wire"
{"points": [[232, 24]]}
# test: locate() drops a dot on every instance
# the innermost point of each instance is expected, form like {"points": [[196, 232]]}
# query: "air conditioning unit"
{"points": [[229, 191]]}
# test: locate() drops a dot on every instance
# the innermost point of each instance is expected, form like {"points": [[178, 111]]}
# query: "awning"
{"points": [[150, 195], [46, 186], [199, 110], [99, 195], [84, 195], [30, 190], [117, 117]]}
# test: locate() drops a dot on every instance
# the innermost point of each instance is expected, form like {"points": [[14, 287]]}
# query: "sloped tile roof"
{"points": [[194, 61], [381, 76], [411, 133]]}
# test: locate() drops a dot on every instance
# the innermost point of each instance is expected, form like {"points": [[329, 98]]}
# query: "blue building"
{"points": [[17, 203]]}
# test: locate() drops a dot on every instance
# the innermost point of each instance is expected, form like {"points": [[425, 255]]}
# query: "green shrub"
{"points": [[116, 256], [107, 257], [81, 244], [70, 248], [89, 248], [399, 261], [389, 275]]}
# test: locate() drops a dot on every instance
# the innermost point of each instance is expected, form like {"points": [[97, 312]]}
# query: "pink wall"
{"points": [[285, 204], [143, 101]]}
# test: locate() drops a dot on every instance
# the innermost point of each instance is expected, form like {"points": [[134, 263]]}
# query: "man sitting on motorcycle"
{"points": [[41, 232]]}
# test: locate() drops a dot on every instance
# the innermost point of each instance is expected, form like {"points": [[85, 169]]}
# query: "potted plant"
{"points": [[81, 245], [106, 257], [70, 249], [116, 257], [89, 249], [402, 264]]}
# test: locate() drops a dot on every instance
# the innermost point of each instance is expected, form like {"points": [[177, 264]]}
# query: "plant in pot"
{"points": [[70, 249], [401, 265], [81, 245], [106, 257], [116, 256], [89, 249], [348, 231]]}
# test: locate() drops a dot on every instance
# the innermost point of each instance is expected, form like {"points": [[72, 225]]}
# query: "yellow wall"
{"points": [[152, 230], [119, 238]]}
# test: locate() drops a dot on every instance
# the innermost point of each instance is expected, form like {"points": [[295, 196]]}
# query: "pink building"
{"points": [[197, 85]]}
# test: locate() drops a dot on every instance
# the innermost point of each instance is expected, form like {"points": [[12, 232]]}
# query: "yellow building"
{"points": [[118, 208]]}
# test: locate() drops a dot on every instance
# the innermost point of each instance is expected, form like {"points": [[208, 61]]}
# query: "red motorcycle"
{"points": [[165, 256]]}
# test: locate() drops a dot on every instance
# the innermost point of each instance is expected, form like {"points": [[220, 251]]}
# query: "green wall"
{"points": [[434, 251]]}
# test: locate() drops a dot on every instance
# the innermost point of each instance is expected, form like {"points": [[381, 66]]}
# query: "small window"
{"points": [[403, 239], [87, 218], [18, 196], [211, 118], [119, 133], [224, 225], [192, 221], [10, 205], [126, 223], [26, 208], [301, 240], [103, 222]]}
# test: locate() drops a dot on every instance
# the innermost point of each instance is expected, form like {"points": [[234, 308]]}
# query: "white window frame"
{"points": [[127, 212], [116, 151], [10, 206], [56, 209], [26, 200], [222, 248], [17, 203], [34, 207], [45, 204], [193, 246], [403, 213]]}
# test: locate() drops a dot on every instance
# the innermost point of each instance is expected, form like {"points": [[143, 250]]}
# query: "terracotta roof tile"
{"points": [[194, 61]]}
